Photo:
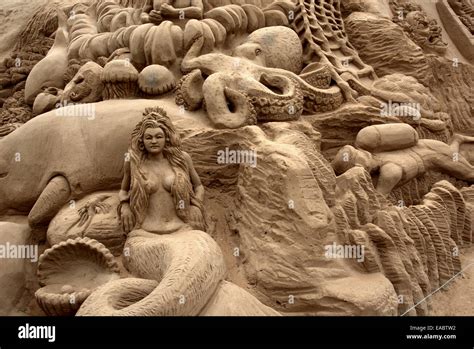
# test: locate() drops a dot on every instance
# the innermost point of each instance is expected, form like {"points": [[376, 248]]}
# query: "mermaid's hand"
{"points": [[167, 10], [155, 17], [127, 217]]}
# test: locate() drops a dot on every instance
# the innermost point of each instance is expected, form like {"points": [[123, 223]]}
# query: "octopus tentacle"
{"points": [[356, 84], [227, 107], [270, 106], [315, 99], [189, 92]]}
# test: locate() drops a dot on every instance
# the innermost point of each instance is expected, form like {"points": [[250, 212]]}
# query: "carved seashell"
{"points": [[70, 271], [55, 303], [119, 71], [156, 80]]}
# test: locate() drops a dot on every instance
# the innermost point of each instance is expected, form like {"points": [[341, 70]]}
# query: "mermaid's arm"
{"points": [[124, 194], [195, 180], [196, 9], [193, 11], [123, 210]]}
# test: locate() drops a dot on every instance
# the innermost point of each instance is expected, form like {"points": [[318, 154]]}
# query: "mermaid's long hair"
{"points": [[187, 205]]}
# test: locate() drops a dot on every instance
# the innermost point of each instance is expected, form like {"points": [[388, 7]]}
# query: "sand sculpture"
{"points": [[420, 28], [214, 157], [398, 155], [167, 247], [465, 12]]}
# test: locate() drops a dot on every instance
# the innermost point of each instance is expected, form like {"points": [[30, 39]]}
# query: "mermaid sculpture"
{"points": [[178, 265], [160, 189]]}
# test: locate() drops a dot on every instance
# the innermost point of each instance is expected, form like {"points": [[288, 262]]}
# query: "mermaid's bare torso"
{"points": [[161, 217]]}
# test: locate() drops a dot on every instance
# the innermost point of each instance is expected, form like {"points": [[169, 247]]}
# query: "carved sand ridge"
{"points": [[416, 245]]}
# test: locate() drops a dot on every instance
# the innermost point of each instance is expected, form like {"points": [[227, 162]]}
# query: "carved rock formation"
{"points": [[454, 93], [423, 30], [17, 275], [416, 246], [383, 44]]}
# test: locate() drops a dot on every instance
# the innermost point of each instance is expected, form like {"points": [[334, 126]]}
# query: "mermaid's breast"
{"points": [[168, 182], [151, 187], [153, 184]]}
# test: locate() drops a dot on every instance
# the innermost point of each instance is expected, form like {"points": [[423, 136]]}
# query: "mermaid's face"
{"points": [[154, 140]]}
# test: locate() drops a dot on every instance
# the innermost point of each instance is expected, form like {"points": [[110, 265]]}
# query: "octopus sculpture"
{"points": [[258, 82]]}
